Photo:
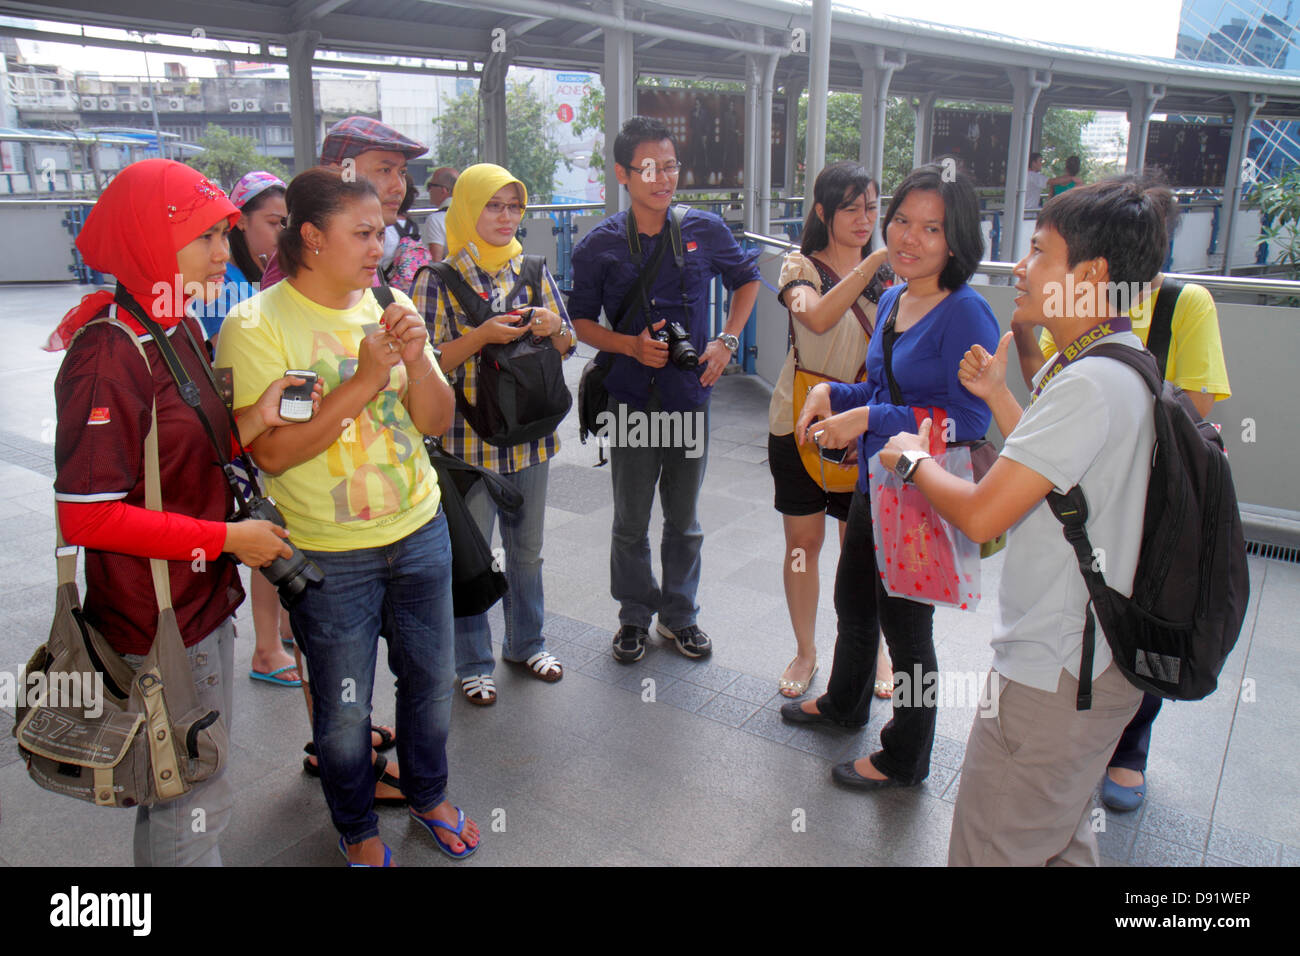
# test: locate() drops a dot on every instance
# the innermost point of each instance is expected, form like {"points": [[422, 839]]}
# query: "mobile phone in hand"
{"points": [[295, 401]]}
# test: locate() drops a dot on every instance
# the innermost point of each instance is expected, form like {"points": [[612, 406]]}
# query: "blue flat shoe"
{"points": [[275, 678], [388, 856], [456, 831], [1118, 797]]}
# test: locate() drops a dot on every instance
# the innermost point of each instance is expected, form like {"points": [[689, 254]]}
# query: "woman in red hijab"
{"points": [[160, 229]]}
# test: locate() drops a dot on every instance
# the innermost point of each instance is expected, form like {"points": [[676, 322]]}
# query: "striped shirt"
{"points": [[446, 322]]}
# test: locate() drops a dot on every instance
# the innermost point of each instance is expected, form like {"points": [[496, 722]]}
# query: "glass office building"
{"points": [[1255, 33]]}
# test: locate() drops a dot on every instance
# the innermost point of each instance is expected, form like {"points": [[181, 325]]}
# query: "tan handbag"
{"points": [[95, 729]]}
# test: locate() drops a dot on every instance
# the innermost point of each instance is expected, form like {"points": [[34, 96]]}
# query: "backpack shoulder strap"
{"points": [[530, 277], [383, 295], [1142, 362], [471, 303], [1161, 334]]}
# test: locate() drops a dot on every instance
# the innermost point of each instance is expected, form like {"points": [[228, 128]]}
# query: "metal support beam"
{"points": [[753, 124], [1248, 105], [1143, 98], [492, 102], [793, 93], [819, 65], [619, 80], [765, 146], [878, 68], [923, 135], [302, 98], [1028, 85], [1036, 133]]}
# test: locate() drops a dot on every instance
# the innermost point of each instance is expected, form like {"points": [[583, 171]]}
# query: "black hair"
{"points": [[239, 252], [409, 199], [837, 186], [961, 217], [638, 130], [1119, 220], [1072, 165], [1153, 183], [315, 196], [1034, 156]]}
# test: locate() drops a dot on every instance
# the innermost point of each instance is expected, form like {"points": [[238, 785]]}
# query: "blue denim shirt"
{"points": [[603, 272]]}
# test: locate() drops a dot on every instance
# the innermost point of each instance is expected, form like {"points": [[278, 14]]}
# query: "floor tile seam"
{"points": [[1236, 704]]}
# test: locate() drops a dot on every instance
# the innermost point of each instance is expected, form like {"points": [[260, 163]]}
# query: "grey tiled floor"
{"points": [[666, 761]]}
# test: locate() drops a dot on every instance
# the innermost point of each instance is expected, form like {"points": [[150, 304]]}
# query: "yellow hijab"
{"points": [[475, 186]]}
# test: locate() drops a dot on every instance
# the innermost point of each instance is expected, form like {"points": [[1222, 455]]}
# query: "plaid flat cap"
{"points": [[360, 134]]}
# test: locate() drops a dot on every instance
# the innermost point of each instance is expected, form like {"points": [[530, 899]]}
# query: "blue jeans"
{"points": [[521, 538], [166, 834], [403, 591], [635, 473]]}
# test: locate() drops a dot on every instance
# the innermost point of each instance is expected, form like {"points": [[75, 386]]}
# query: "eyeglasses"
{"points": [[497, 208], [651, 170]]}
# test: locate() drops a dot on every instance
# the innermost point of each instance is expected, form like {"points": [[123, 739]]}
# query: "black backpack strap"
{"points": [[1162, 323], [476, 309], [887, 344], [530, 278], [383, 295], [1142, 362], [1071, 509]]}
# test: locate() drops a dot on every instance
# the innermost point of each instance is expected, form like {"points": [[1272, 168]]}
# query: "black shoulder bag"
{"points": [[477, 580]]}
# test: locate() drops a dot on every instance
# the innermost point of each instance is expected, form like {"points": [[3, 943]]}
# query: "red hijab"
{"points": [[149, 212]]}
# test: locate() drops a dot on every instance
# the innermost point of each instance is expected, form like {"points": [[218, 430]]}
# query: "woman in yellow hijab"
{"points": [[487, 205]]}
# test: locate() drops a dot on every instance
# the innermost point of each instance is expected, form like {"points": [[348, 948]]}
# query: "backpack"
{"points": [[1191, 585], [522, 395]]}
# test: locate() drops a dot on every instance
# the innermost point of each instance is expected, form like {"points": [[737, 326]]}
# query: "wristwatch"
{"points": [[730, 341], [907, 464]]}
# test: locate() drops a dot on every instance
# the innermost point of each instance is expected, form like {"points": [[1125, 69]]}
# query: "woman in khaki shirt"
{"points": [[830, 288]]}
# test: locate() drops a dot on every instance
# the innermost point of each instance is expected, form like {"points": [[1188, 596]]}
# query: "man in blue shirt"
{"points": [[658, 408]]}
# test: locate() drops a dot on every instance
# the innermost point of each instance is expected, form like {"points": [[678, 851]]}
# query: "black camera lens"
{"points": [[680, 350], [292, 575]]}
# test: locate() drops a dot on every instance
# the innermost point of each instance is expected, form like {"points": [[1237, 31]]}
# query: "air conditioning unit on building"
{"points": [[89, 103], [236, 106], [107, 103], [126, 105], [252, 106], [145, 104], [176, 104], [282, 107]]}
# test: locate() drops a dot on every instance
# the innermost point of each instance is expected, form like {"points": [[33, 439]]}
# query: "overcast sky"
{"points": [[1146, 26]]}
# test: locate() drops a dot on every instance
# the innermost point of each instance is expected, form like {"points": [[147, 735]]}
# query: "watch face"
{"points": [[903, 466]]}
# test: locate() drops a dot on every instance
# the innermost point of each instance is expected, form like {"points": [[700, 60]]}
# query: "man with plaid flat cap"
{"points": [[377, 154]]}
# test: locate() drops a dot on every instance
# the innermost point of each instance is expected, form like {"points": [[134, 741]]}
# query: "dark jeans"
{"points": [[863, 610], [1131, 751], [403, 591]]}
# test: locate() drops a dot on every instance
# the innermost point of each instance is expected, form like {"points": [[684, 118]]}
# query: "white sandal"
{"points": [[480, 690], [544, 666]]}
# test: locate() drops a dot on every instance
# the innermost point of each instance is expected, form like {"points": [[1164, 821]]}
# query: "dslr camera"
{"points": [[290, 575], [680, 350]]}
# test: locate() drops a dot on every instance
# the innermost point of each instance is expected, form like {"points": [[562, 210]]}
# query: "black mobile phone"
{"points": [[295, 401], [835, 455]]}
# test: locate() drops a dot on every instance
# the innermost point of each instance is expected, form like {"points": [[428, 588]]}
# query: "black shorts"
{"points": [[796, 492]]}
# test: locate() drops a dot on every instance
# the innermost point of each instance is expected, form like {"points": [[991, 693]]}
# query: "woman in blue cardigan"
{"points": [[932, 231]]}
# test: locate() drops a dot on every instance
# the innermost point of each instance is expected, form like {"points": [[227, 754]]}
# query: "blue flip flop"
{"points": [[273, 678], [456, 831], [388, 857]]}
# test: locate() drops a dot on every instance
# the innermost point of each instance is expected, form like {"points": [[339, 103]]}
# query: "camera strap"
{"points": [[646, 276], [189, 392]]}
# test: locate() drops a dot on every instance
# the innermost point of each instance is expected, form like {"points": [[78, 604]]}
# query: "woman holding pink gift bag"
{"points": [[924, 327]]}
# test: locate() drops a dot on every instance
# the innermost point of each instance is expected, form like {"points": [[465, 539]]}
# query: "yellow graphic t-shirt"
{"points": [[374, 485]]}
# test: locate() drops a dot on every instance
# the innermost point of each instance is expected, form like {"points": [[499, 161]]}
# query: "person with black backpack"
{"points": [[1146, 587], [1179, 325], [497, 317]]}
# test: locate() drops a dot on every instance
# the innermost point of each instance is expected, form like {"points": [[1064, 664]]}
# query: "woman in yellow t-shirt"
{"points": [[361, 500], [826, 285]]}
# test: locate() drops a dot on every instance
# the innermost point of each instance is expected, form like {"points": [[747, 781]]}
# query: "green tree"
{"points": [[1063, 137], [532, 154], [1279, 206], [226, 157]]}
